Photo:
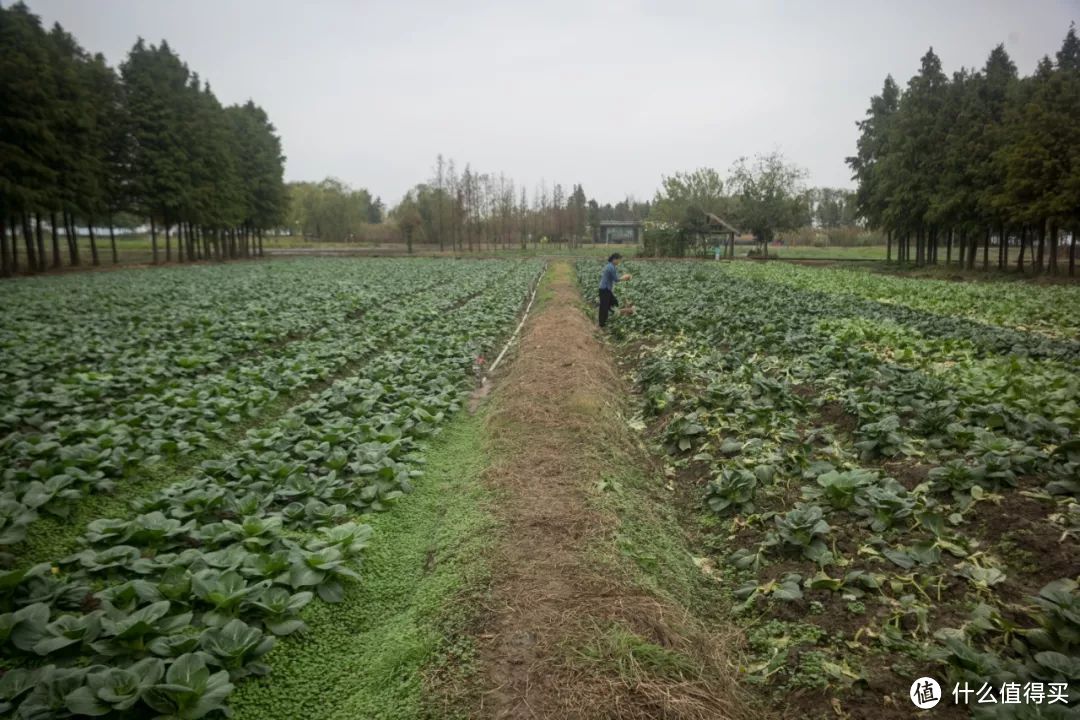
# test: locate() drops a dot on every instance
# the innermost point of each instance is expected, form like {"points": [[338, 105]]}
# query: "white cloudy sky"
{"points": [[609, 94]]}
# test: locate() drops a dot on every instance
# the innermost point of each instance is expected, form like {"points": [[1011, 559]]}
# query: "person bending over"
{"points": [[608, 278]]}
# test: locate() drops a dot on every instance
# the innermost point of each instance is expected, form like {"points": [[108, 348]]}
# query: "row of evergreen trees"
{"points": [[80, 143], [984, 156]]}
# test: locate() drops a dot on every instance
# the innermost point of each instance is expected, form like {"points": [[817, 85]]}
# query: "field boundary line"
{"points": [[517, 330]]}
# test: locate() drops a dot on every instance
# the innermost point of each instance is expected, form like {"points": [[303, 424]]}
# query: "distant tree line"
{"points": [[832, 208], [984, 158], [471, 210], [764, 196], [331, 210], [627, 209], [81, 143], [477, 211]]}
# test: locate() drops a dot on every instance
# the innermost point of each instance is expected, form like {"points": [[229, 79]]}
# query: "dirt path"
{"points": [[570, 631]]}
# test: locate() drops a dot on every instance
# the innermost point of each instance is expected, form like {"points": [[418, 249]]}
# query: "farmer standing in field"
{"points": [[608, 278]]}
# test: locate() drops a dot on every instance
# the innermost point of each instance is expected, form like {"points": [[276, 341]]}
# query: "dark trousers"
{"points": [[607, 301]]}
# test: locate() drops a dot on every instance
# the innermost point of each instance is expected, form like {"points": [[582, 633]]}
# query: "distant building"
{"points": [[618, 231]]}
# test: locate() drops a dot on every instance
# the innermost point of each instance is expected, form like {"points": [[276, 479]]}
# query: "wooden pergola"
{"points": [[717, 226]]}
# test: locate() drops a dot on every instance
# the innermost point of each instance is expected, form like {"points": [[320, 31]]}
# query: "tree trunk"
{"points": [[1020, 256], [986, 250], [1041, 248], [1003, 245], [40, 236], [153, 238], [55, 240], [948, 248], [262, 253], [28, 238], [5, 262], [94, 259], [168, 243], [14, 245], [1072, 251], [73, 239], [1052, 266], [112, 241]]}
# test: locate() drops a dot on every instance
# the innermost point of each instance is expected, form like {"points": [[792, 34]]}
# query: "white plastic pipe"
{"points": [[521, 324]]}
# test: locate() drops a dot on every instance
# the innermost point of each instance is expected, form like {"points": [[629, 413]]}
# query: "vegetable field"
{"points": [[885, 472], [188, 455]]}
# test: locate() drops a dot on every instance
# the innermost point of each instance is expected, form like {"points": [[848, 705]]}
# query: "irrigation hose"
{"points": [[524, 317]]}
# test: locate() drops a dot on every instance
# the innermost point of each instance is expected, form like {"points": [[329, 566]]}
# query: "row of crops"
{"points": [[887, 470], [163, 607]]}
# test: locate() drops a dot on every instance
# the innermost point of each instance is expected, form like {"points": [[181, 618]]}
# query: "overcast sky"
{"points": [[608, 94]]}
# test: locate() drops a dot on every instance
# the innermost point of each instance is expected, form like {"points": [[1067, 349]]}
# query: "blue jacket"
{"points": [[609, 277]]}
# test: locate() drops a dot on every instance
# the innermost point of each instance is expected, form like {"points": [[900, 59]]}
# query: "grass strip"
{"points": [[401, 629]]}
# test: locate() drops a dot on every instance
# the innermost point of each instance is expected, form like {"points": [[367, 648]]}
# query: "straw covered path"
{"points": [[573, 626]]}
